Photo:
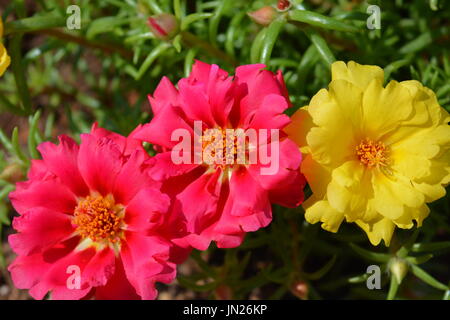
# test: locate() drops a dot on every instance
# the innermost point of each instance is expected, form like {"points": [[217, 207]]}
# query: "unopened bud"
{"points": [[263, 16], [300, 289], [283, 5], [399, 268], [164, 26]]}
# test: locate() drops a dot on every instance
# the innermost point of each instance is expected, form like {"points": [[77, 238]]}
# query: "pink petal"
{"points": [[159, 130], [62, 161], [195, 102], [146, 209], [49, 194], [118, 286], [165, 94], [145, 262], [286, 186], [247, 208], [162, 167], [39, 229], [131, 178], [99, 161], [199, 201], [270, 114]]}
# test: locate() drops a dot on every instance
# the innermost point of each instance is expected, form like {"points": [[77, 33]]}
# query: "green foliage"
{"points": [[64, 80]]}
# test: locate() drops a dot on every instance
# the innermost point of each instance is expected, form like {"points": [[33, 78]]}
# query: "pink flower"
{"points": [[221, 202], [92, 223]]}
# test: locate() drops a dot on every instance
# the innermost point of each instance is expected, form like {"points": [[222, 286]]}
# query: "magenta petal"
{"points": [[270, 114], [127, 145], [49, 194], [62, 161], [165, 94], [99, 161], [39, 229], [196, 104], [199, 201], [159, 131], [118, 286], [146, 209], [131, 178], [162, 167], [145, 262], [100, 268], [247, 207], [286, 185]]}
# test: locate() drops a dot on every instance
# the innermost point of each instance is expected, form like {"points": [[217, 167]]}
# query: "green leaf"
{"points": [[103, 25], [322, 271], [446, 295], [321, 46], [255, 50], [35, 23], [419, 43], [419, 260], [231, 32], [32, 135], [427, 278], [377, 257], [434, 246], [17, 149], [273, 30], [194, 17], [215, 20], [358, 279], [321, 21], [189, 61], [18, 69], [393, 288], [177, 43], [152, 56], [177, 9]]}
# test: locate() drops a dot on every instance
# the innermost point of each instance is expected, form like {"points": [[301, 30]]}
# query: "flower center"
{"points": [[372, 154], [99, 218], [221, 147]]}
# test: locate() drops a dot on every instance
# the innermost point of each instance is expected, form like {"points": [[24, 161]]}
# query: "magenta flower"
{"points": [[92, 223], [222, 200]]}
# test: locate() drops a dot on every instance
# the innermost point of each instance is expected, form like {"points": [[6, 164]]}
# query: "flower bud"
{"points": [[300, 289], [164, 26], [283, 5], [399, 268], [263, 16]]}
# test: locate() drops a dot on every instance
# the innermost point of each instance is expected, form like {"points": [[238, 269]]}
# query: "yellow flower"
{"points": [[373, 155], [5, 60]]}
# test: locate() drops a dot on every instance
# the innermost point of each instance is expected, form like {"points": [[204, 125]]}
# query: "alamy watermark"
{"points": [[73, 22], [374, 20]]}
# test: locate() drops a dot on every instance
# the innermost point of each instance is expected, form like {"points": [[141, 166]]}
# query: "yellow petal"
{"points": [[317, 175], [331, 141], [359, 75], [5, 60], [323, 212], [379, 230], [301, 123], [385, 108]]}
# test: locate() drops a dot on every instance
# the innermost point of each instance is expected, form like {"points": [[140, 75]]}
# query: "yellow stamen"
{"points": [[100, 219], [372, 154]]}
